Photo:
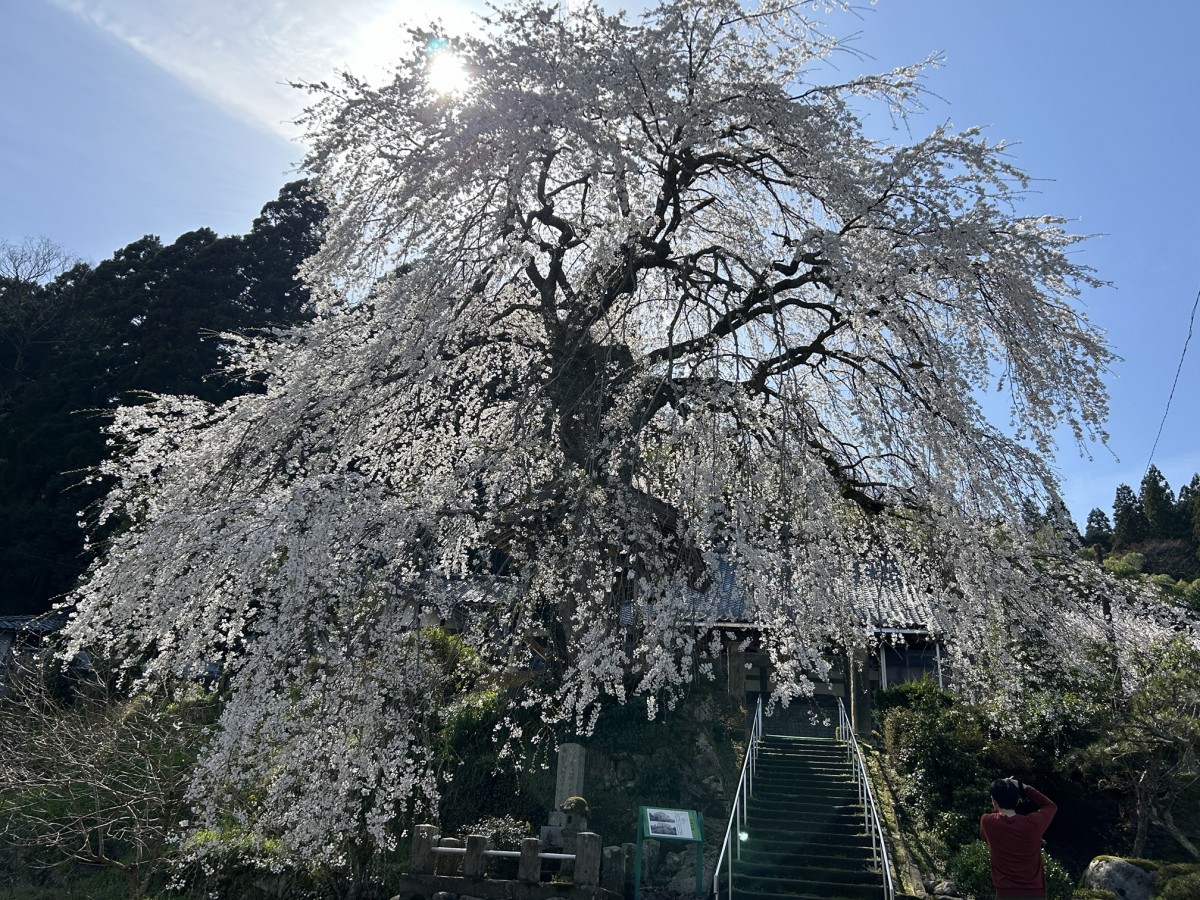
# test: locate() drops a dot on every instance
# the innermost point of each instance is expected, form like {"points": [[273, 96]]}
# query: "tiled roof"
{"points": [[880, 597], [44, 623]]}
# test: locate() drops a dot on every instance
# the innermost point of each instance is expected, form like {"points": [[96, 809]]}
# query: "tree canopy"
{"points": [[76, 339], [1153, 522], [640, 303]]}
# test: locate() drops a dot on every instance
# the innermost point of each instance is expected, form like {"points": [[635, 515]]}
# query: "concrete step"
{"points": [[805, 833], [772, 847], [777, 879], [803, 890]]}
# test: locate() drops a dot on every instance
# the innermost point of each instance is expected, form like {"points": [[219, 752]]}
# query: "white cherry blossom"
{"points": [[638, 303]]}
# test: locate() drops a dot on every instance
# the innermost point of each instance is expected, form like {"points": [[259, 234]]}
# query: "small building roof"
{"points": [[883, 599], [43, 623]]}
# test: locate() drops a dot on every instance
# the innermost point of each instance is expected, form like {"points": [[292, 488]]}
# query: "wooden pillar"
{"points": [[474, 860], [588, 848], [530, 867], [735, 673], [858, 663], [629, 851], [421, 861]]}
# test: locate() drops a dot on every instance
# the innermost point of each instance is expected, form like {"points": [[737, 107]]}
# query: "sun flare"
{"points": [[447, 75]]}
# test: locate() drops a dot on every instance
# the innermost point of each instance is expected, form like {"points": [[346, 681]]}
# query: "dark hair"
{"points": [[1006, 792]]}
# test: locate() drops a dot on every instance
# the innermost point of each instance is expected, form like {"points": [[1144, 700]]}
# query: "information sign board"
{"points": [[657, 823]]}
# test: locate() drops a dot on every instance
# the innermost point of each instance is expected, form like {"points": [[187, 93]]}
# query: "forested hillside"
{"points": [[76, 339], [1153, 522]]}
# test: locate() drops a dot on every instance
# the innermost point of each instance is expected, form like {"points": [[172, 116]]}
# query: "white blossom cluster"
{"points": [[638, 303]]}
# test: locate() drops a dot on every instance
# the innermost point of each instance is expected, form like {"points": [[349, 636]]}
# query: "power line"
{"points": [[1178, 369]]}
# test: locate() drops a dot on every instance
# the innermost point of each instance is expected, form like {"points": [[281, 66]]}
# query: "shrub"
{"points": [[941, 746], [93, 777], [971, 870], [502, 832], [1059, 883]]}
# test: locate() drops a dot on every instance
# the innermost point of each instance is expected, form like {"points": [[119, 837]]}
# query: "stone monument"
{"points": [[571, 761]]}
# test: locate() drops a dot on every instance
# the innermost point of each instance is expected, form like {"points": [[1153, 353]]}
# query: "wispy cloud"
{"points": [[241, 55]]}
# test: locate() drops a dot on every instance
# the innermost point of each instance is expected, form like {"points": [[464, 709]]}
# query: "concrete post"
{"points": [[530, 867], [612, 870], [447, 863], [421, 861], [474, 860], [588, 848]]}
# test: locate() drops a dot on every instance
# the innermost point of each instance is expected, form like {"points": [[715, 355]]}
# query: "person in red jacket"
{"points": [[1015, 841]]}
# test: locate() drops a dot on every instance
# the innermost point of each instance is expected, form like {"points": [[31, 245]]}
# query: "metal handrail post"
{"points": [[739, 815], [874, 825]]}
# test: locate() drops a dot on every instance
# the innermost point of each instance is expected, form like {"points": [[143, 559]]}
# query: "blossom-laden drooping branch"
{"points": [[639, 305]]}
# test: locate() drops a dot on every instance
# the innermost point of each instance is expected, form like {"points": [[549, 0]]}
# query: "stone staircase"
{"points": [[805, 833]]}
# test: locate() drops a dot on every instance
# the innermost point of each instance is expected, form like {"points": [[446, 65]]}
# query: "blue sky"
{"points": [[120, 118]]}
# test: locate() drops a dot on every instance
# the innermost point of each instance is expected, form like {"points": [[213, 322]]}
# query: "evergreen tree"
{"points": [[1129, 519], [146, 320], [1187, 507], [1099, 532], [1158, 506]]}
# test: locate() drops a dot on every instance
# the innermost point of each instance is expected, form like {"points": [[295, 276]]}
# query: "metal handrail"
{"points": [[741, 800], [866, 797]]}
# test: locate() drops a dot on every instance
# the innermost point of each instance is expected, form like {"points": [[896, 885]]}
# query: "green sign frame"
{"points": [[657, 823]]}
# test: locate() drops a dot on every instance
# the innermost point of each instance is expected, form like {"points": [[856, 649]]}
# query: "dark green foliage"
{"points": [[1059, 884], [458, 663], [971, 870], [1148, 742], [1179, 881], [478, 782], [1099, 532], [945, 753], [947, 759], [1189, 508], [1129, 519], [1158, 506], [1122, 769], [1164, 531], [145, 320]]}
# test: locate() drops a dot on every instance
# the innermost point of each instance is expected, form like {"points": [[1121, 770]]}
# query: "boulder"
{"points": [[1123, 878]]}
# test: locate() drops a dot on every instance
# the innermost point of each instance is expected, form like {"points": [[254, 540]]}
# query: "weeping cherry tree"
{"points": [[637, 303]]}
